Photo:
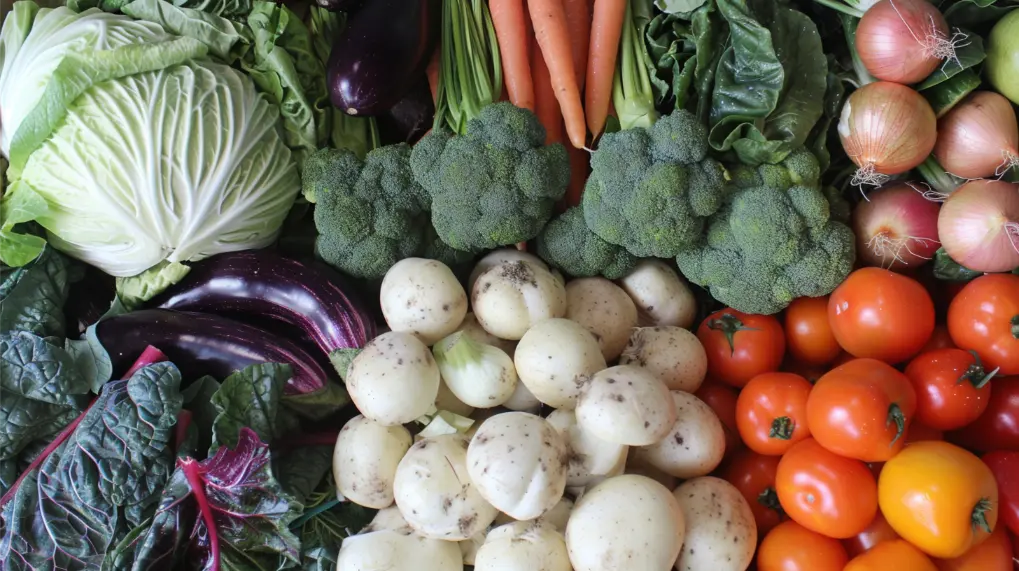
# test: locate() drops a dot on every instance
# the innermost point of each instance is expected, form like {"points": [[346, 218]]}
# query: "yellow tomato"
{"points": [[939, 497], [895, 554]]}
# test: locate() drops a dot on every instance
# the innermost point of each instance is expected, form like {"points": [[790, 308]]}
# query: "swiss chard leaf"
{"points": [[32, 297], [325, 524], [318, 404], [102, 481], [945, 268], [198, 400], [302, 469], [251, 398], [968, 54]]}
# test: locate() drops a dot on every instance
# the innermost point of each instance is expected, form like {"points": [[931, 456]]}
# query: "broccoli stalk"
{"points": [[632, 95]]}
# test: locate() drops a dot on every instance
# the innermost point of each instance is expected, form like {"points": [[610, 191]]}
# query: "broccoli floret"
{"points": [[495, 185], [650, 190], [568, 244], [767, 246], [369, 215]]}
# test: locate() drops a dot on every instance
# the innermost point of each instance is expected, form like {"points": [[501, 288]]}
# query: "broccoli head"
{"points": [[568, 244], [769, 245], [650, 190], [370, 214], [496, 184]]}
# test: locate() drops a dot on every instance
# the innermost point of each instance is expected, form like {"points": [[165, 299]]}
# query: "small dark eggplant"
{"points": [[261, 285], [410, 118], [201, 344], [381, 53], [348, 6]]}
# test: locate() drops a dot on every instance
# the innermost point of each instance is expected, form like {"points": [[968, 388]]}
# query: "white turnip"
{"points": [[365, 459], [626, 405], [661, 296], [605, 310], [523, 546], [589, 456], [424, 298], [511, 297], [695, 445], [720, 531], [394, 380], [553, 358], [480, 375], [673, 354], [496, 257]]}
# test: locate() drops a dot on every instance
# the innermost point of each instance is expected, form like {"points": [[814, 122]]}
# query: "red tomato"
{"points": [[722, 399], [993, 554], [919, 432], [771, 412], [951, 388], [882, 315], [862, 410], [805, 370], [998, 427], [808, 336], [879, 530], [792, 547], [753, 475], [824, 492], [1005, 466], [741, 346], [940, 339], [984, 317], [842, 359]]}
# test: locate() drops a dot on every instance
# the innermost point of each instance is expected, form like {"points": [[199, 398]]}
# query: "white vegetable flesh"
{"points": [[511, 297], [626, 405], [605, 310], [424, 298], [626, 522], [695, 445], [435, 493], [554, 357], [556, 517], [589, 456], [502, 255], [387, 550], [661, 296], [394, 380], [720, 531], [365, 459], [518, 462], [480, 375], [523, 546], [446, 400], [471, 326], [673, 354], [522, 398]]}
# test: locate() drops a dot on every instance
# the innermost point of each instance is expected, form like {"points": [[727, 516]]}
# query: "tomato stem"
{"points": [[729, 325], [895, 415], [782, 427], [769, 499], [975, 374], [1015, 326], [979, 516]]}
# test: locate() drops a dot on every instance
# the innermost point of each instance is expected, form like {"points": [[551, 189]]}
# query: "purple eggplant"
{"points": [[261, 285], [348, 6], [382, 52], [202, 344], [410, 118]]}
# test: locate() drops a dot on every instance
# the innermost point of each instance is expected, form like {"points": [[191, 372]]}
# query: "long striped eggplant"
{"points": [[204, 344], [261, 284]]}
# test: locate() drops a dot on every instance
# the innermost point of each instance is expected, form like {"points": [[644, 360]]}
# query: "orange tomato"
{"points": [[939, 497], [878, 531], [771, 412], [722, 399], [753, 475], [882, 315], [862, 410], [894, 555], [808, 335], [994, 554], [740, 346], [824, 492], [792, 547]]}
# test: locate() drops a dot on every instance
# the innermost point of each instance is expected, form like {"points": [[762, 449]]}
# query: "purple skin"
{"points": [[264, 284], [202, 344]]}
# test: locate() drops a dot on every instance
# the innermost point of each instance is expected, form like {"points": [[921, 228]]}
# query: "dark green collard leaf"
{"points": [[102, 481], [817, 141], [319, 404], [770, 85], [947, 94], [685, 53], [325, 524], [32, 297], [251, 398], [969, 53], [90, 358], [301, 471], [41, 391], [977, 13], [684, 7], [945, 268], [286, 67], [232, 9]]}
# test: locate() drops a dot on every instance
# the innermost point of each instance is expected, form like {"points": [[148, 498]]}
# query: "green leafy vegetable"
{"points": [[945, 268], [250, 398], [470, 68], [967, 55], [632, 95], [32, 297]]}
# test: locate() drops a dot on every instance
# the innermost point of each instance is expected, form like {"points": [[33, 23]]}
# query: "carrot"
{"points": [[606, 28], [580, 166], [553, 37], [546, 107], [578, 22], [511, 31], [432, 71]]}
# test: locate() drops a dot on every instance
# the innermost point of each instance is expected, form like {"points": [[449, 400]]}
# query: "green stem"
{"points": [[979, 515], [840, 7], [769, 499], [934, 174], [895, 415], [782, 428], [975, 373], [849, 24], [729, 325]]}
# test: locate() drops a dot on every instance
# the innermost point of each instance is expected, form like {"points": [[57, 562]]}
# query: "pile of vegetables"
{"points": [[501, 284]]}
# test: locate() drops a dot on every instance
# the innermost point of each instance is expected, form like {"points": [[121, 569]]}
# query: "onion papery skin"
{"points": [[979, 137], [887, 126], [896, 228], [890, 46], [972, 225]]}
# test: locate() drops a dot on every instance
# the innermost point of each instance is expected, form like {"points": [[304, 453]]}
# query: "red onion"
{"points": [[886, 129], [979, 137], [979, 225], [896, 227], [904, 40]]}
